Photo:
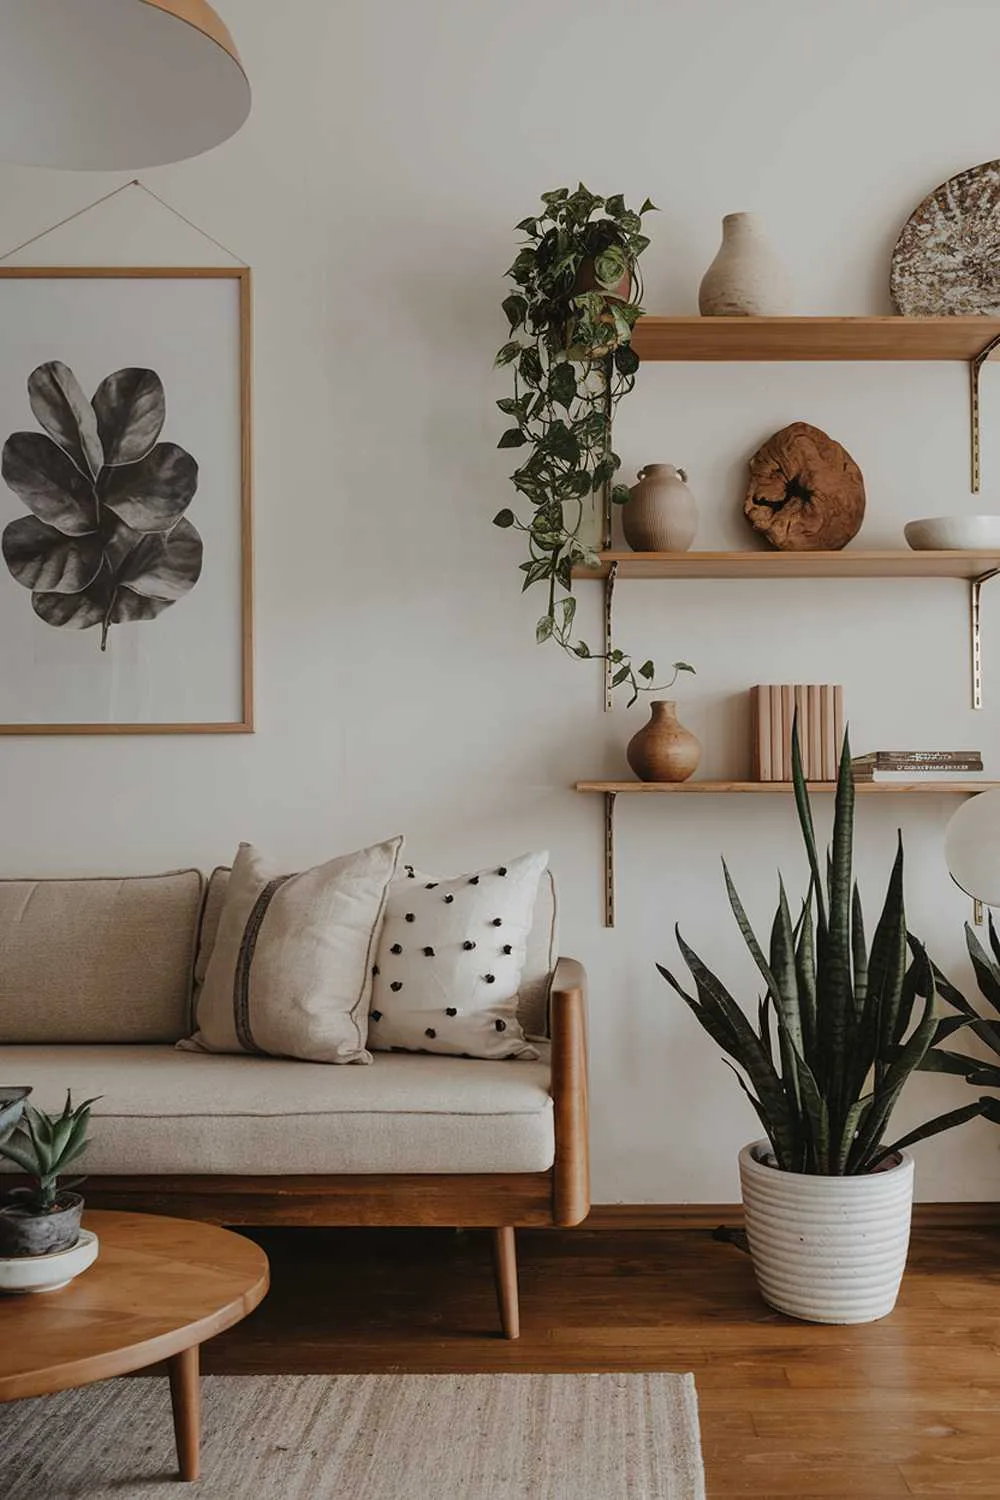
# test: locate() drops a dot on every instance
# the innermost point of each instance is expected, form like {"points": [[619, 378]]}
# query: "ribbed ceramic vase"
{"points": [[827, 1249], [661, 514], [746, 279], [663, 750]]}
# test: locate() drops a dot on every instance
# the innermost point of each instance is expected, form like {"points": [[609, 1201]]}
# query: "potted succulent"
{"points": [[574, 303], [840, 1029], [44, 1217]]}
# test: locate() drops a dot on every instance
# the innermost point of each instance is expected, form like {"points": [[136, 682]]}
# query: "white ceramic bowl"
{"points": [[47, 1273], [954, 534]]}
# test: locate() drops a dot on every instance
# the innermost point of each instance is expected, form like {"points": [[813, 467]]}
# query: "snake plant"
{"points": [[839, 1030], [43, 1146], [980, 1072]]}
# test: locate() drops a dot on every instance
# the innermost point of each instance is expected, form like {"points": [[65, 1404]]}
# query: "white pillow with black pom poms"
{"points": [[450, 959]]}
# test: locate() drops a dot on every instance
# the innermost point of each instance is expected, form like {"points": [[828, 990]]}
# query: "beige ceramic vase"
{"points": [[663, 750], [661, 514], [746, 279]]}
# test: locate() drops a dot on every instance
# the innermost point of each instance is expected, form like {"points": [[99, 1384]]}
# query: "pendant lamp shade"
{"points": [[972, 847], [111, 84]]}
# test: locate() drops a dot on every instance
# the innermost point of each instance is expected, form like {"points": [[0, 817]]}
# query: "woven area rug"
{"points": [[365, 1437]]}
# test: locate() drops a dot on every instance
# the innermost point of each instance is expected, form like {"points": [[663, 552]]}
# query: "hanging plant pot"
{"points": [[827, 1249], [609, 273]]}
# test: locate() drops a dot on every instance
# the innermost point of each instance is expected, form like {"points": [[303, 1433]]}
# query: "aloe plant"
{"points": [[978, 1071], [839, 1030], [44, 1145]]}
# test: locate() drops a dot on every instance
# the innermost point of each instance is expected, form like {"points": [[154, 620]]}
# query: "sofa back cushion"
{"points": [[536, 980], [101, 960]]}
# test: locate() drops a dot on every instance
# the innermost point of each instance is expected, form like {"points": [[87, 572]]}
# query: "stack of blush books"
{"points": [[918, 765], [817, 709]]}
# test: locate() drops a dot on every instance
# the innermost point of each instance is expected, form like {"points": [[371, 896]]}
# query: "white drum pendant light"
{"points": [[110, 84]]}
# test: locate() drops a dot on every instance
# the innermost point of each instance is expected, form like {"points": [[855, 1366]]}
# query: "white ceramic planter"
{"points": [[47, 1273], [827, 1249]]}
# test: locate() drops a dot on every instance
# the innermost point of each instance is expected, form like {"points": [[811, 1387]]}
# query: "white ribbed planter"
{"points": [[827, 1249]]}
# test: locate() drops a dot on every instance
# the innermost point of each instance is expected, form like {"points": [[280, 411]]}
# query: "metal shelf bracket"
{"points": [[975, 368], [609, 632], [609, 858], [976, 633]]}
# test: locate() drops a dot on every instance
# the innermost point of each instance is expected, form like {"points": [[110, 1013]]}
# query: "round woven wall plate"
{"points": [[947, 258]]}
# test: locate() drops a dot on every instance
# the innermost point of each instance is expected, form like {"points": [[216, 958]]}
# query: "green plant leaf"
{"points": [[515, 306], [562, 384], [508, 353], [620, 494], [987, 979], [535, 571], [626, 359], [513, 438], [544, 628], [948, 1121], [504, 519], [647, 671]]}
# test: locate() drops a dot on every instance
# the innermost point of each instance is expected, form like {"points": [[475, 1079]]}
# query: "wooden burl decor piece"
{"points": [[806, 493]]}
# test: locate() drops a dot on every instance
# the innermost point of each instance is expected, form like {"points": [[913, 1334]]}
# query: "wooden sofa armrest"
{"points": [[568, 1026]]}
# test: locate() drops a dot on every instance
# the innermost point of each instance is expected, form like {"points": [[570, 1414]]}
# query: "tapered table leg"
{"points": [[185, 1397]]}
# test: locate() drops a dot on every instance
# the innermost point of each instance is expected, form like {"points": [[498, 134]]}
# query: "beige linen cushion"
{"points": [[290, 970], [98, 960], [450, 961]]}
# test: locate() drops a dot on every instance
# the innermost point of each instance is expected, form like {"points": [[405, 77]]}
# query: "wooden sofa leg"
{"points": [[505, 1260]]}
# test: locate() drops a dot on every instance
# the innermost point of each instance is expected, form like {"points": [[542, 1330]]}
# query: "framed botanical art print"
{"points": [[125, 574]]}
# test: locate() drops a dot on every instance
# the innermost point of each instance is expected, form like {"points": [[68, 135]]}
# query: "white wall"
{"points": [[390, 149]]}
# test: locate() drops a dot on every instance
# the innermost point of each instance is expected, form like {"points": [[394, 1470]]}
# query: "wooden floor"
{"points": [[908, 1406]]}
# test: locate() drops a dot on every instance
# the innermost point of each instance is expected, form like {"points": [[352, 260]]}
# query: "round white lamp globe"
{"points": [[972, 847]]}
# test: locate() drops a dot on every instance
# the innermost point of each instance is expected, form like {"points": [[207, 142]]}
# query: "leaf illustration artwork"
{"points": [[107, 541]]}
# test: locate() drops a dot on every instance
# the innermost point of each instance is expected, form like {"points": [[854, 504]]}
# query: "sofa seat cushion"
{"points": [[165, 1111]]}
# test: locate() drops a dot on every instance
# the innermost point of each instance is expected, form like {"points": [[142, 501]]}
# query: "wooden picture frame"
{"points": [[241, 719]]}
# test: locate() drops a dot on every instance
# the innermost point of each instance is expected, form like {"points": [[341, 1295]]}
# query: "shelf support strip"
{"points": [[609, 636], [976, 633], [609, 858]]}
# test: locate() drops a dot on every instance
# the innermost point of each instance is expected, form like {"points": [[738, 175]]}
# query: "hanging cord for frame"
{"points": [[106, 198]]}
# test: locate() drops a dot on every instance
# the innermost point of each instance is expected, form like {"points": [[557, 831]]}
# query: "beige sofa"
{"points": [[98, 980]]}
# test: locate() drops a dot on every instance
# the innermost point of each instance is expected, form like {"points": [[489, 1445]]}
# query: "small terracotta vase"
{"points": [[661, 514], [746, 278], [663, 750]]}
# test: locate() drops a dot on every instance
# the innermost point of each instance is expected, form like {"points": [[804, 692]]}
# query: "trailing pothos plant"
{"points": [[841, 1027], [575, 303]]}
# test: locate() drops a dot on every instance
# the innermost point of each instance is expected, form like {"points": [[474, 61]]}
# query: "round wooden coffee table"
{"points": [[158, 1289]]}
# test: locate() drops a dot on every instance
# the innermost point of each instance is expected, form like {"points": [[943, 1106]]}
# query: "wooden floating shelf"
{"points": [[850, 563], [812, 338], [677, 788]]}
